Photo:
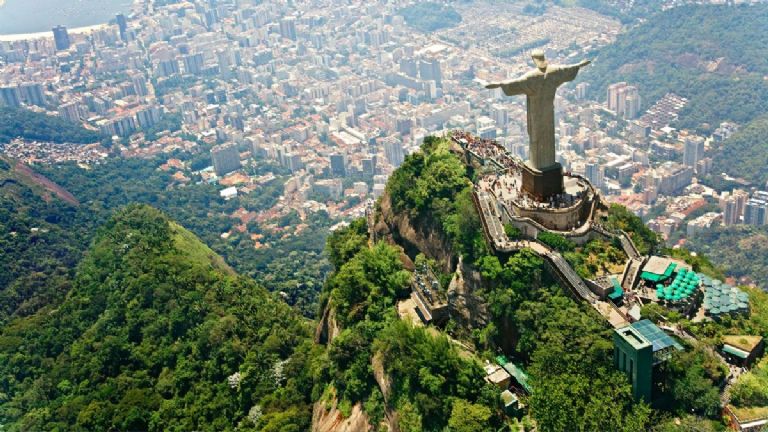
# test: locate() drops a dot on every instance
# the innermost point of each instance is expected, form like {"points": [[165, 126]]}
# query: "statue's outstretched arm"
{"points": [[584, 63], [511, 87], [569, 72]]}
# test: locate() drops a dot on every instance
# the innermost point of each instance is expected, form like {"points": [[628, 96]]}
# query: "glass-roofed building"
{"points": [[638, 347]]}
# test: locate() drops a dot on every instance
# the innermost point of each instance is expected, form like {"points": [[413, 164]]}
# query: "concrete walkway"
{"points": [[494, 233]]}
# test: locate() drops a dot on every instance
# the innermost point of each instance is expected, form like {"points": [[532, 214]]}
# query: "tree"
{"points": [[512, 232], [619, 217], [690, 379], [146, 339], [556, 241], [469, 417]]}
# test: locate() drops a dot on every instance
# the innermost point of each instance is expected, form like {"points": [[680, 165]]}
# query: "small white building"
{"points": [[228, 193]]}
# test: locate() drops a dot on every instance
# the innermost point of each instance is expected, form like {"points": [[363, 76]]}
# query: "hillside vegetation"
{"points": [[157, 333], [429, 376], [429, 16], [41, 241], [26, 124], [745, 154], [716, 56], [740, 250], [626, 11]]}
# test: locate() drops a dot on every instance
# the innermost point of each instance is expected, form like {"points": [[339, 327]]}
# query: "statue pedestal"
{"points": [[543, 184]]}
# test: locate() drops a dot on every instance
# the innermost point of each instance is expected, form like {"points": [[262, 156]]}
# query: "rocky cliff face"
{"points": [[414, 236], [391, 418], [326, 416], [469, 310], [332, 420], [327, 328]]}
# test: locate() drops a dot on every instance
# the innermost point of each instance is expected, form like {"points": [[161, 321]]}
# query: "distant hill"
{"points": [[22, 123], [716, 56], [428, 16], [740, 250], [745, 154], [625, 10], [156, 333]]}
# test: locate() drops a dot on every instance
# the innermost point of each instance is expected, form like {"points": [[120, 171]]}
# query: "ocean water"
{"points": [[31, 16]]}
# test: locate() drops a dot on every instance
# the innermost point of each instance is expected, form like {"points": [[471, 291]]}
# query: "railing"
{"points": [[567, 275], [422, 307], [570, 277], [629, 246]]}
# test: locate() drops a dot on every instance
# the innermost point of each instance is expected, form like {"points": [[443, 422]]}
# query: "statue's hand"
{"points": [[584, 63], [492, 85]]}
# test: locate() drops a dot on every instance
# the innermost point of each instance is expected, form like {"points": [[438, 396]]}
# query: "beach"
{"points": [[49, 34], [34, 19]]}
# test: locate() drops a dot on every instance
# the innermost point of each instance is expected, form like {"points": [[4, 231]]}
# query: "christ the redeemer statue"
{"points": [[539, 86]]}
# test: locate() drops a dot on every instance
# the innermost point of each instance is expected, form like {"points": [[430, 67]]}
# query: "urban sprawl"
{"points": [[339, 95]]}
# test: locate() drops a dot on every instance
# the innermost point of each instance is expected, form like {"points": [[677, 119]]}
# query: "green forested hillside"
{"points": [[740, 250], [23, 123], [745, 154], [41, 241], [429, 16], [294, 264], [716, 56], [156, 334], [626, 11]]}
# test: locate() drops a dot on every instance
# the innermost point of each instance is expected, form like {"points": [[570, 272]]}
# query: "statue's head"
{"points": [[538, 58]]}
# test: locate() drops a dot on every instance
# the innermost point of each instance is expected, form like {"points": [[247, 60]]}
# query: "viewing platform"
{"points": [[564, 212]]}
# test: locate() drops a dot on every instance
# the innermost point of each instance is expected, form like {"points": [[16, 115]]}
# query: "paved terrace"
{"points": [[490, 153]]}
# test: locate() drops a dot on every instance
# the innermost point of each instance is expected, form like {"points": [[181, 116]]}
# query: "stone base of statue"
{"points": [[543, 184]]}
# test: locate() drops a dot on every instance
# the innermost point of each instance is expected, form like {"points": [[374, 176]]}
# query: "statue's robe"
{"points": [[540, 87]]}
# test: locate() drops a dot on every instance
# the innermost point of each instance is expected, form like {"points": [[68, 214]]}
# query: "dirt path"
{"points": [[48, 185]]}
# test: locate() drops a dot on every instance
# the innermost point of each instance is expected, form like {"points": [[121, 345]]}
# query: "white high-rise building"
{"points": [[624, 100], [393, 150], [693, 151], [613, 95], [594, 172]]}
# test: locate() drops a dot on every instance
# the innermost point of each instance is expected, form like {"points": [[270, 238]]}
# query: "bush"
{"points": [[556, 241], [751, 390], [19, 122], [512, 232]]}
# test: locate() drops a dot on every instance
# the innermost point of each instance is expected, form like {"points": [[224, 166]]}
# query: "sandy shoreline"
{"points": [[49, 34]]}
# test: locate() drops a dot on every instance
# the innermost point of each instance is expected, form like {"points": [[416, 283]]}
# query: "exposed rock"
{"points": [[413, 237], [468, 307], [327, 328], [385, 385], [332, 420], [380, 376]]}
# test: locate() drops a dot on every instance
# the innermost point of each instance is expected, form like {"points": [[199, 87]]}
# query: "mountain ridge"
{"points": [[152, 308]]}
